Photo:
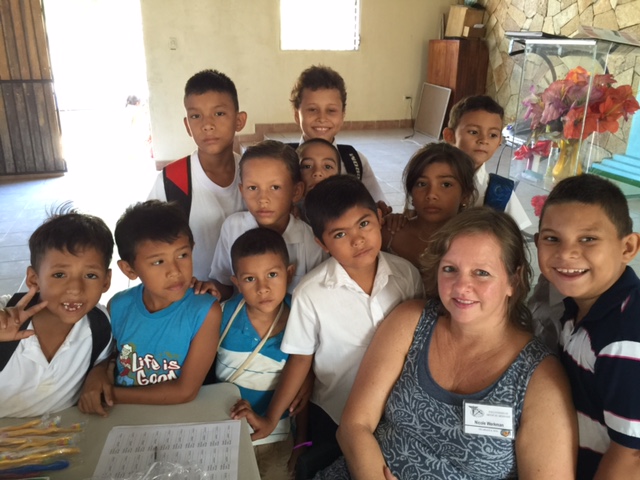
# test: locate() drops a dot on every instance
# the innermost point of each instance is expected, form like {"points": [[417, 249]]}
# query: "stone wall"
{"points": [[560, 17]]}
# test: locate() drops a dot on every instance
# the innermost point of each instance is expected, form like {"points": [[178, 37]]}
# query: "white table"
{"points": [[213, 403]]}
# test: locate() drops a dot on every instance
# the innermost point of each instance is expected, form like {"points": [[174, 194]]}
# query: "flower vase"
{"points": [[568, 164]]}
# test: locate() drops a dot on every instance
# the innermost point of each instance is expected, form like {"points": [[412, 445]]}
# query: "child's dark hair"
{"points": [[332, 197], [593, 190], [276, 150], [504, 229], [473, 104], [461, 164], [315, 78], [211, 81], [258, 241], [151, 220], [66, 229]]}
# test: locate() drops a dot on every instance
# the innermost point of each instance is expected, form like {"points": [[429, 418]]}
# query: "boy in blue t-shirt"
{"points": [[584, 245], [252, 329], [164, 331]]}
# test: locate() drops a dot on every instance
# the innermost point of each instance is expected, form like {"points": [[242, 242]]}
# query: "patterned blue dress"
{"points": [[421, 433]]}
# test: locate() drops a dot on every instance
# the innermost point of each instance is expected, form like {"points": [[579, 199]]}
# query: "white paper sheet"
{"points": [[213, 447]]}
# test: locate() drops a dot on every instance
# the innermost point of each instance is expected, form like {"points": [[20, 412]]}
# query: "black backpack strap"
{"points": [[7, 348], [177, 183], [351, 160], [100, 333], [498, 192]]}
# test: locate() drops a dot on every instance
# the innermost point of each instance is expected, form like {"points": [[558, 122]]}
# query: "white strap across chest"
{"points": [[252, 355]]}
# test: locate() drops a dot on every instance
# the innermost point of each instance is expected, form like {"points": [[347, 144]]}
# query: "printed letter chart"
{"points": [[213, 447]]}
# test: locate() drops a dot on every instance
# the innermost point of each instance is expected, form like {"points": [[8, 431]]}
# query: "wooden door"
{"points": [[29, 121]]}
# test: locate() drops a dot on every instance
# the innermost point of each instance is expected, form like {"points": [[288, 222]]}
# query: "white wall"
{"points": [[241, 39]]}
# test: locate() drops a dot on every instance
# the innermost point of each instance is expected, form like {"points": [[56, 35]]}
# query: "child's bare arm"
{"points": [[292, 377], [619, 462], [201, 354], [98, 384]]}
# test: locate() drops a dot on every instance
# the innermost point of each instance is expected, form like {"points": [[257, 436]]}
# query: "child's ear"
{"points": [[536, 237], [380, 217], [107, 281], [322, 246], [241, 120], [234, 280], [186, 125], [296, 116], [298, 192], [291, 269], [449, 136], [631, 245], [127, 270], [32, 278]]}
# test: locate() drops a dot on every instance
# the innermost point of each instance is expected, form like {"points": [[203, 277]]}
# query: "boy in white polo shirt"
{"points": [[337, 307], [54, 333], [270, 183]]}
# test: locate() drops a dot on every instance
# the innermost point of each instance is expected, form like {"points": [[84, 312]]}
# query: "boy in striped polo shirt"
{"points": [[584, 246]]}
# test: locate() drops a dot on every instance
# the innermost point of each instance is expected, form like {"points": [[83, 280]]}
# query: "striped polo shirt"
{"points": [[602, 357]]}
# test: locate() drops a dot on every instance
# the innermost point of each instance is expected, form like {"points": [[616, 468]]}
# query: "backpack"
{"points": [[349, 157], [177, 183], [98, 322], [498, 192]]}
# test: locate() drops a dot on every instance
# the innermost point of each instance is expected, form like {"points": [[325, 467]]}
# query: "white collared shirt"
{"points": [[304, 252], [30, 385], [513, 208], [333, 318]]}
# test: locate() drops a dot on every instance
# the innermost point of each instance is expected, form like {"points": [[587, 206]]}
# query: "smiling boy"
{"points": [[319, 100], [584, 245], [57, 323]]}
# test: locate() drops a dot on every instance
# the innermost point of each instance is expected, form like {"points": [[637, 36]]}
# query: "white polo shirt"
{"points": [[211, 204], [333, 318], [513, 208], [304, 252], [32, 386]]}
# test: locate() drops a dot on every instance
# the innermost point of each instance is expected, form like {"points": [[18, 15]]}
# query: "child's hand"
{"points": [[384, 208], [262, 427], [200, 287], [303, 396], [394, 222], [13, 317], [99, 383]]}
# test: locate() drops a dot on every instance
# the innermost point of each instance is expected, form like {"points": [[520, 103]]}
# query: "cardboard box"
{"points": [[472, 32], [460, 17]]}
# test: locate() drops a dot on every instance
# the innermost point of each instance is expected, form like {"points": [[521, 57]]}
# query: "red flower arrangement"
{"points": [[537, 202], [564, 106]]}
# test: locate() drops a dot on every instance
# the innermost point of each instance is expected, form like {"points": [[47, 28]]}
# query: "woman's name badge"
{"points": [[490, 420]]}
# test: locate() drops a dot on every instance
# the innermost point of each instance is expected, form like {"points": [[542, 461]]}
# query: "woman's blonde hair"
{"points": [[513, 252]]}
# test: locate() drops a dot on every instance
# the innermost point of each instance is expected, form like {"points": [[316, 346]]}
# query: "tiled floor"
{"points": [[109, 169]]}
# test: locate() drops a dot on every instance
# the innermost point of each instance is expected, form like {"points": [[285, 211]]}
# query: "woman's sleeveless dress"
{"points": [[421, 433]]}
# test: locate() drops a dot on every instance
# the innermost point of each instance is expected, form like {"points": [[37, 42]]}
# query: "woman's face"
{"points": [[472, 281]]}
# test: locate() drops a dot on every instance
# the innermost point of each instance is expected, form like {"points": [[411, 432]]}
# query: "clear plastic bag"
{"points": [[166, 471]]}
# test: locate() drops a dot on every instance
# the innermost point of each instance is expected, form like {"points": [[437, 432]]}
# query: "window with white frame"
{"points": [[319, 24]]}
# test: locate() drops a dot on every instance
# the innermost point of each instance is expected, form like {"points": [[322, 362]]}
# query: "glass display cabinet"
{"points": [[574, 98]]}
